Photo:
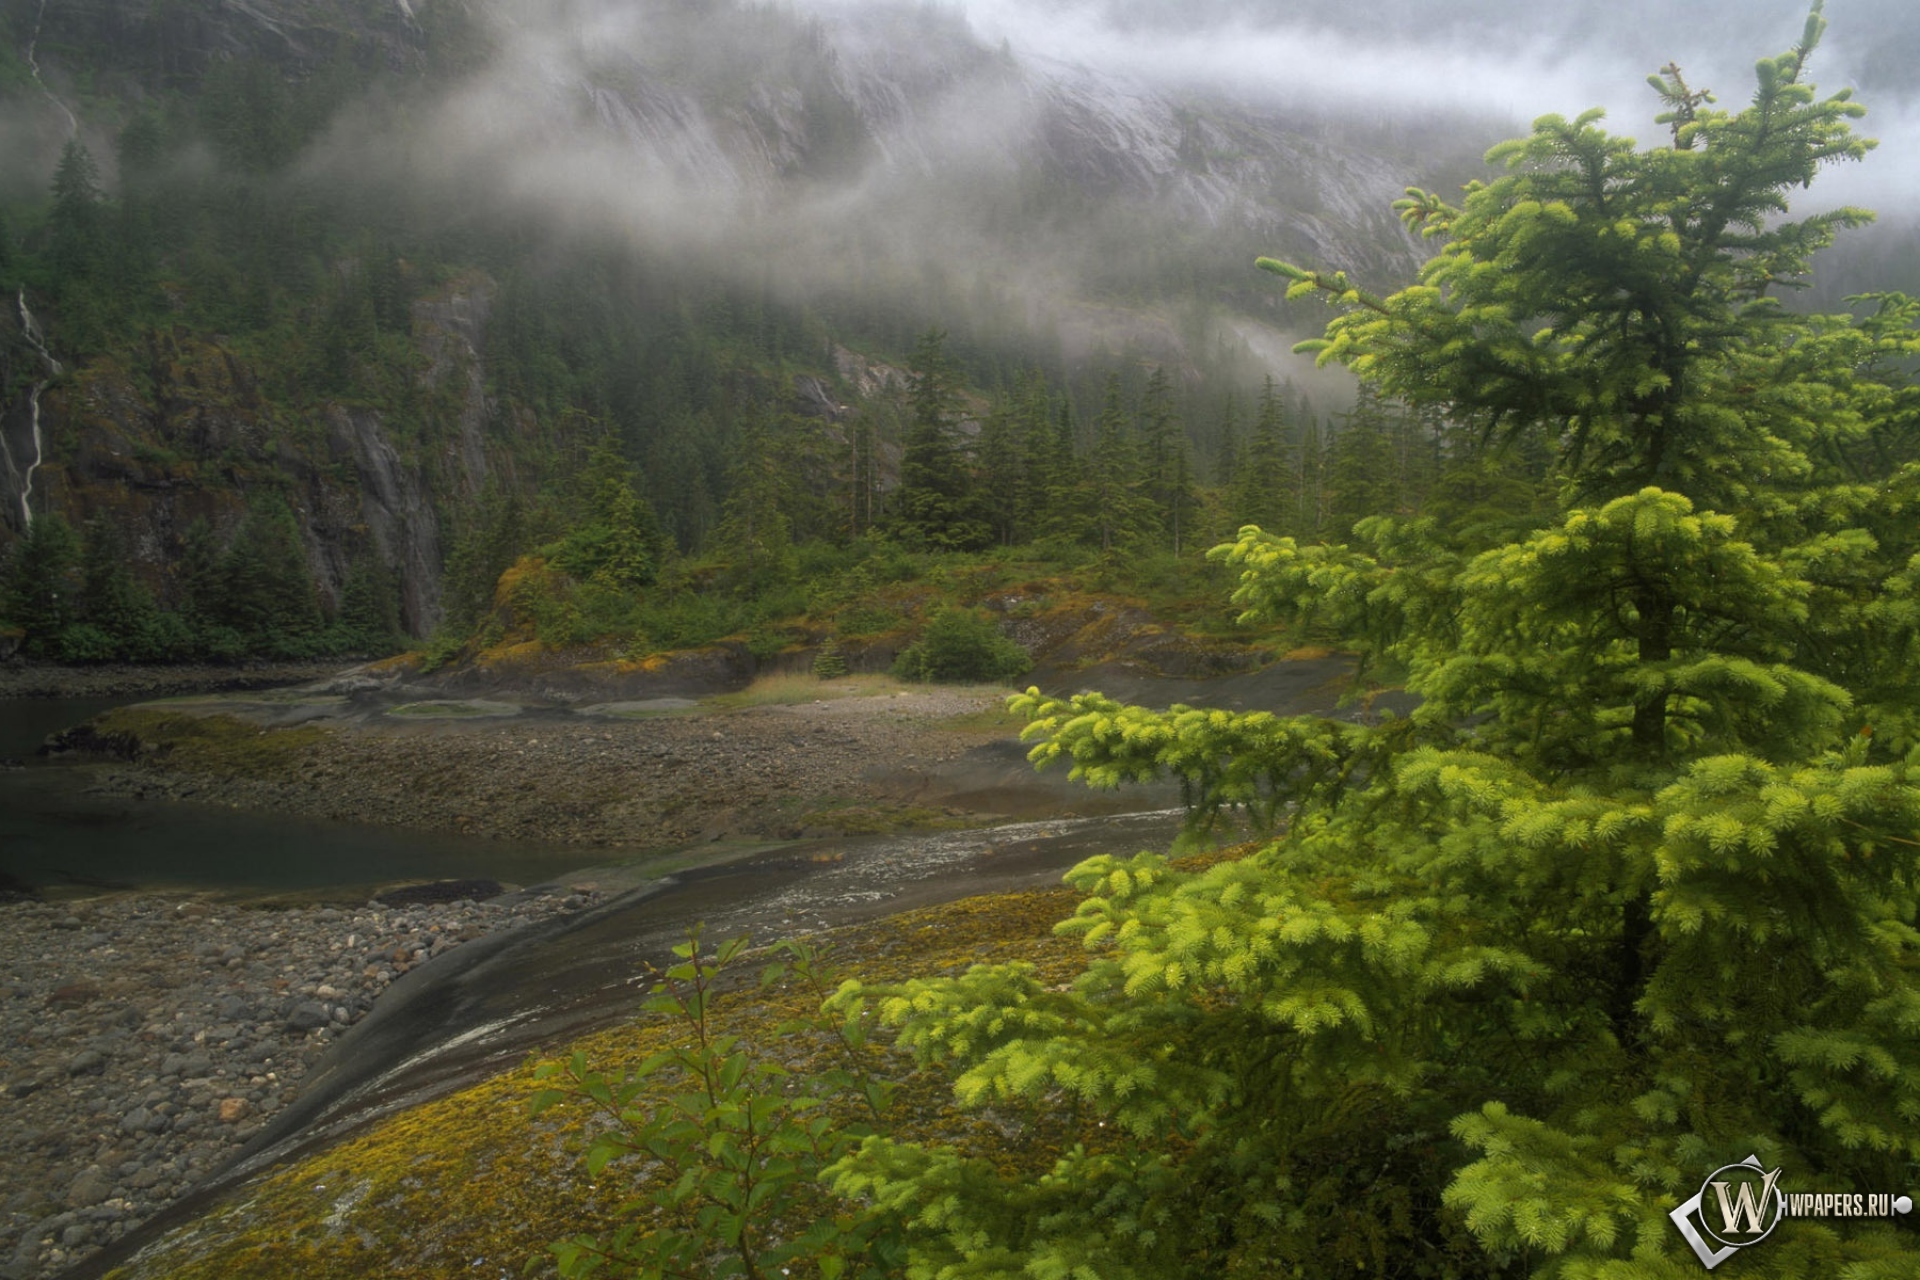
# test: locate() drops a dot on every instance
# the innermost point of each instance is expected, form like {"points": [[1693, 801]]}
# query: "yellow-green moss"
{"points": [[220, 745], [468, 1186]]}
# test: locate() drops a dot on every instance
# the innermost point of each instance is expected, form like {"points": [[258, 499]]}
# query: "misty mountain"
{"points": [[385, 257], [831, 139]]}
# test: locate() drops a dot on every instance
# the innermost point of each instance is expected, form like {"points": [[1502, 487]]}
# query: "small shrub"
{"points": [[766, 642], [961, 646], [84, 642], [830, 663], [730, 1142]]}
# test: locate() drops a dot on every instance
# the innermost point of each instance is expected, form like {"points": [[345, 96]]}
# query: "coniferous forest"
{"points": [[1568, 447]]}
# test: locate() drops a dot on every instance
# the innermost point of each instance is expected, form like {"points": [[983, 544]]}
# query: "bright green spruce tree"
{"points": [[1630, 896]]}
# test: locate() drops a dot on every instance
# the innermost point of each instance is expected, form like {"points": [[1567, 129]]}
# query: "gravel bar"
{"points": [[149, 1037]]}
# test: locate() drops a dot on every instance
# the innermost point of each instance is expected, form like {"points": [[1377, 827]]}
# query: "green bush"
{"points": [[962, 645], [84, 642]]}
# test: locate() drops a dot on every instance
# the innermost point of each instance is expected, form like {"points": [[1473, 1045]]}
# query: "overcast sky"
{"points": [[1513, 58]]}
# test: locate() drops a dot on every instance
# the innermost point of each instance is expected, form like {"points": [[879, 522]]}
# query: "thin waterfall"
{"points": [[33, 69], [52, 367]]}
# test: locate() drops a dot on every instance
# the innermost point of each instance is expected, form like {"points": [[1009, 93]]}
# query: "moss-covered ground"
{"points": [[469, 1185], [215, 745]]}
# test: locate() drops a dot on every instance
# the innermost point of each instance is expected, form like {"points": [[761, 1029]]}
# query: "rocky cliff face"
{"points": [[186, 434], [189, 436], [871, 117]]}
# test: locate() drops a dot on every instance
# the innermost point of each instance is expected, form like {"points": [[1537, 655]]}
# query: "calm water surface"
{"points": [[54, 835]]}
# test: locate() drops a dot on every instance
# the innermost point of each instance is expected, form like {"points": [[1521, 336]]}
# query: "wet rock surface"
{"points": [[148, 1038]]}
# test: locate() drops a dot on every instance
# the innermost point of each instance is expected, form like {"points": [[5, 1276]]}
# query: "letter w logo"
{"points": [[1745, 1206]]}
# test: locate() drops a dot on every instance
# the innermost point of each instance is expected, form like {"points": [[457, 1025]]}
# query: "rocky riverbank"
{"points": [[128, 680], [150, 1037], [835, 766]]}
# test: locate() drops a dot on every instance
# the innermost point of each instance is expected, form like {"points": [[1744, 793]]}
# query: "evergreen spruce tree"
{"points": [[1034, 410], [864, 482], [265, 587], [492, 536], [1362, 475], [1227, 456], [1122, 513], [369, 616], [197, 572], [1630, 897], [1310, 517], [619, 544], [1183, 502], [1067, 512], [1265, 488], [1002, 464], [1165, 460], [114, 601], [936, 505], [45, 586], [755, 536], [78, 221]]}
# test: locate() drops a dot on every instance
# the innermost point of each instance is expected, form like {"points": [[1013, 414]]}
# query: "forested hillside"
{"points": [[287, 372]]}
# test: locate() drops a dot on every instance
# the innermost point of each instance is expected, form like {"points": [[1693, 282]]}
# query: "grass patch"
{"points": [[222, 745], [797, 688], [881, 819]]}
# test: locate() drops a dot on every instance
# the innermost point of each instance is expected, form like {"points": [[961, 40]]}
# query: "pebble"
{"points": [[151, 1037]]}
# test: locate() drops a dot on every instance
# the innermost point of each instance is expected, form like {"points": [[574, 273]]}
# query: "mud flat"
{"points": [[615, 777]]}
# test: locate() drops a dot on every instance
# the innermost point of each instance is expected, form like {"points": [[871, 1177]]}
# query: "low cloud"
{"points": [[1490, 58]]}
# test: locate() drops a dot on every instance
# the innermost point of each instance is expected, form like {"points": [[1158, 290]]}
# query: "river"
{"points": [[486, 1005]]}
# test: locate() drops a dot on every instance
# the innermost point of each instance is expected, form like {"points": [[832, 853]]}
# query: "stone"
{"points": [[136, 1120], [90, 1188], [87, 1062], [188, 1065], [233, 1110], [307, 1015]]}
